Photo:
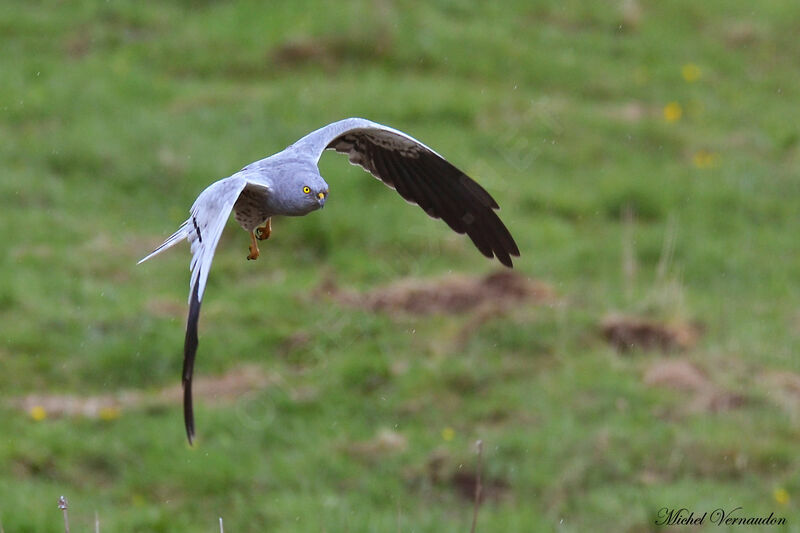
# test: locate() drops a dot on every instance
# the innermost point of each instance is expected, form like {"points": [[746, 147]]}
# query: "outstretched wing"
{"points": [[202, 229], [421, 176]]}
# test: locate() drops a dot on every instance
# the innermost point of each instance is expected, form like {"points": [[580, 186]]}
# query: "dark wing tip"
{"points": [[505, 245], [504, 258], [425, 178], [189, 352], [487, 231]]}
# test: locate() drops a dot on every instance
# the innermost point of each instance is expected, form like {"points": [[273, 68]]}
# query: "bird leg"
{"points": [[254, 253], [264, 231]]}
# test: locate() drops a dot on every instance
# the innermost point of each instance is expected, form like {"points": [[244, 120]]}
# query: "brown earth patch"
{"points": [[683, 375], [218, 389], [224, 388], [626, 333], [783, 387], [678, 374], [788, 381], [449, 295], [741, 33], [78, 43], [385, 442], [631, 112], [165, 308], [32, 251], [464, 482], [331, 51], [444, 470]]}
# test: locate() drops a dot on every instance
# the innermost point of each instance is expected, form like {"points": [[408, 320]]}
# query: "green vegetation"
{"points": [[646, 158]]}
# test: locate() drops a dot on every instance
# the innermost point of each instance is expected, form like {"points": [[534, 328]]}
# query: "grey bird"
{"points": [[289, 184]]}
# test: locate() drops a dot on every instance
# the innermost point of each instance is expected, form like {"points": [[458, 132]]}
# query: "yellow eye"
{"points": [[306, 189]]}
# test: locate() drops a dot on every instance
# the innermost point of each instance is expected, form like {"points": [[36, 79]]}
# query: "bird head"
{"points": [[305, 192]]}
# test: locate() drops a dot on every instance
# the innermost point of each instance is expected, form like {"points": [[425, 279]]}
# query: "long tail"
{"points": [[172, 240], [189, 353]]}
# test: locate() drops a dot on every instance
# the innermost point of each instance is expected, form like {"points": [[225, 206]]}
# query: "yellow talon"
{"points": [[264, 231], [254, 253]]}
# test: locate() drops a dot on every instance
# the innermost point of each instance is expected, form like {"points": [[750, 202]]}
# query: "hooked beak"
{"points": [[321, 198]]}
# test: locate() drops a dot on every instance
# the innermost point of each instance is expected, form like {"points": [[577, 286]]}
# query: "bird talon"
{"points": [[254, 253], [264, 231]]}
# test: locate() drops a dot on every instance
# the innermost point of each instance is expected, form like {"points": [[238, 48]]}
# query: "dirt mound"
{"points": [[223, 388], [783, 387], [218, 389], [703, 394], [453, 294], [385, 442], [331, 51], [445, 471], [627, 333], [491, 489], [678, 374]]}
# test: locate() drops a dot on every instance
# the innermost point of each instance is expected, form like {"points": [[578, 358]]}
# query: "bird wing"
{"points": [[202, 229], [421, 176]]}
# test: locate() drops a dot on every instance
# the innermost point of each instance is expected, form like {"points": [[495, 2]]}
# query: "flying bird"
{"points": [[289, 184]]}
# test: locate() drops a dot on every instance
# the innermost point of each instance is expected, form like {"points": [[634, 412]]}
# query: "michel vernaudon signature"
{"points": [[668, 516]]}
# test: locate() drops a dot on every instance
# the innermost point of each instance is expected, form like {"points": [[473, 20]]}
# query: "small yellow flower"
{"points": [[691, 72], [448, 433], [38, 413], [673, 112], [781, 496], [705, 159], [108, 413]]}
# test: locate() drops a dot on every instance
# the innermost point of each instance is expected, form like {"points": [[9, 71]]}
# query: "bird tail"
{"points": [[172, 240]]}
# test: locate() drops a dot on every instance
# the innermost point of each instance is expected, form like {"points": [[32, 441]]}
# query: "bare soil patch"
{"points": [[385, 442], [702, 393], [449, 295], [444, 470], [331, 51], [626, 333], [217, 389]]}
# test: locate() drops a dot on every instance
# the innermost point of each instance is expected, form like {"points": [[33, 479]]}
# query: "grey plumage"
{"points": [[289, 184]]}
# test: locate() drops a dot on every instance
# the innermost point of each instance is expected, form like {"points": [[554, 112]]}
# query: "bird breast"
{"points": [[250, 209]]}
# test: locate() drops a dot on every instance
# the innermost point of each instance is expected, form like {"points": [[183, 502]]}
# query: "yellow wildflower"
{"points": [[705, 159], [108, 413], [448, 433], [690, 72], [38, 413], [781, 496], [673, 112]]}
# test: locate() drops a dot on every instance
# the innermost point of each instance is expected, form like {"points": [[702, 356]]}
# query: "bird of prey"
{"points": [[289, 184]]}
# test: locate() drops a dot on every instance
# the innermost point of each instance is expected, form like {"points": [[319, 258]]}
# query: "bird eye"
{"points": [[306, 189]]}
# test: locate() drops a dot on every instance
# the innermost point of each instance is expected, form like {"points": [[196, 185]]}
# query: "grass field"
{"points": [[646, 156]]}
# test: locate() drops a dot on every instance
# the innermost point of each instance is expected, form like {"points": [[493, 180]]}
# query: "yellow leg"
{"points": [[264, 231], [254, 253]]}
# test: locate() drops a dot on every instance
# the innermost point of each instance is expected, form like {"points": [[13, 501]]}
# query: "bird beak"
{"points": [[321, 198]]}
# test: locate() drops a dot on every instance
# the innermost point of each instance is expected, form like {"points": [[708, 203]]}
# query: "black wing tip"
{"points": [[504, 256], [504, 259], [513, 251]]}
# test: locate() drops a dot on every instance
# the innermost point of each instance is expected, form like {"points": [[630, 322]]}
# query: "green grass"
{"points": [[115, 115]]}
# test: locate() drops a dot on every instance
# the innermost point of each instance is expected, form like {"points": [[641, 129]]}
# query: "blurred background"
{"points": [[642, 354]]}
